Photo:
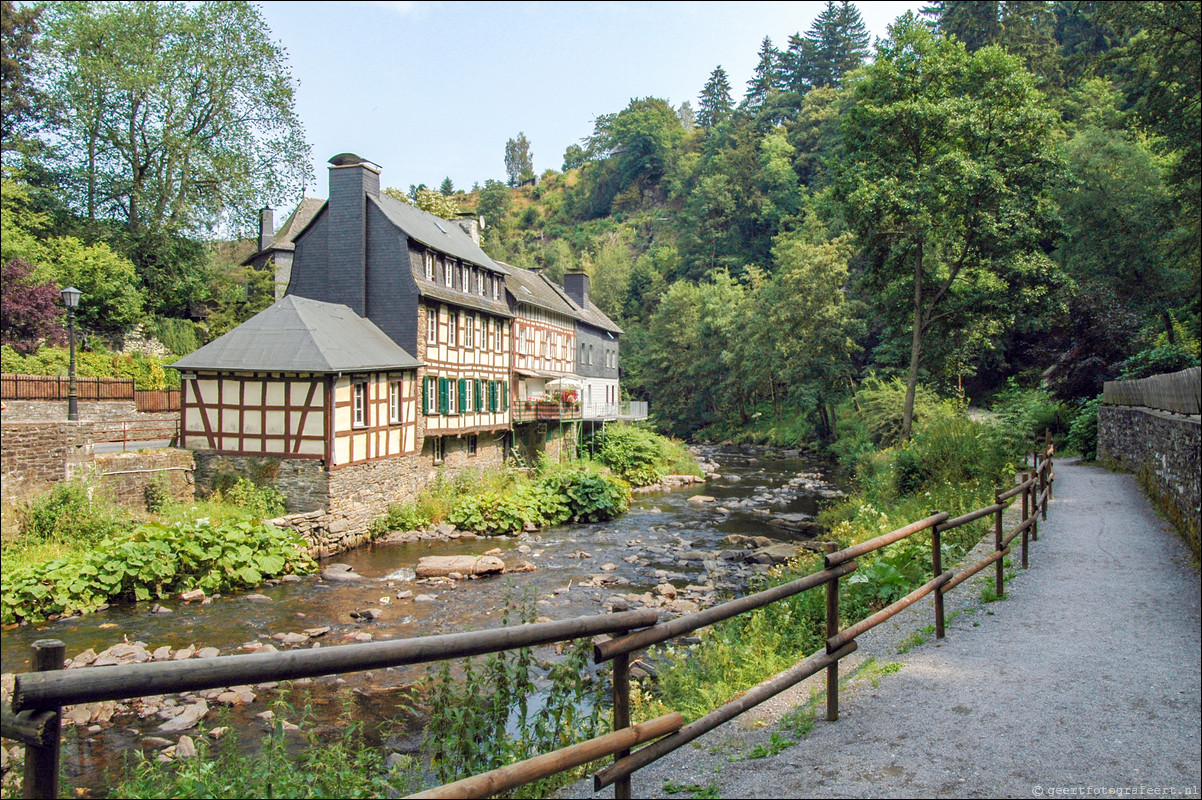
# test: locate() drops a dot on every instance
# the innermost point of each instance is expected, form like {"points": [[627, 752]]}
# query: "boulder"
{"points": [[340, 572], [435, 566], [187, 719], [702, 498], [773, 555]]}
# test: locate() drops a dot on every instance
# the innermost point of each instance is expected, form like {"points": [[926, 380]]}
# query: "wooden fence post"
{"points": [[1036, 490], [832, 628], [1026, 494], [997, 542], [41, 762], [937, 569], [622, 716]]}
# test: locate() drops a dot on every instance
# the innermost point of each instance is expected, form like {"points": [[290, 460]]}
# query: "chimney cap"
{"points": [[352, 160]]}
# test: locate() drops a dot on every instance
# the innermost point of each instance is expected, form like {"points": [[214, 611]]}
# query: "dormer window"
{"points": [[429, 266], [480, 282], [448, 272], [496, 287], [465, 278]]}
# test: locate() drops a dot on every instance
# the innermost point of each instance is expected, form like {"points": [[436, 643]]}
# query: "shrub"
{"points": [[70, 513], [153, 561], [1026, 413], [1083, 433], [635, 454], [401, 517], [882, 406], [263, 502], [590, 496], [1158, 360]]}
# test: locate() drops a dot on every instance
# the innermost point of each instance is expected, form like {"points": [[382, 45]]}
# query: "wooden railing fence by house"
{"points": [[55, 387], [38, 696]]}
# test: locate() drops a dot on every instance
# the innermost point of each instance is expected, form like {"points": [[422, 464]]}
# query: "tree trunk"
{"points": [[915, 348]]}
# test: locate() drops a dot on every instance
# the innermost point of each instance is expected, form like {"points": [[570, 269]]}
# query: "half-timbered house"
{"points": [[427, 284], [304, 384], [597, 338], [546, 404]]}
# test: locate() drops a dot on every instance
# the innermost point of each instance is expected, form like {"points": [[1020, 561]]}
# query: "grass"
{"points": [[919, 637], [695, 790]]}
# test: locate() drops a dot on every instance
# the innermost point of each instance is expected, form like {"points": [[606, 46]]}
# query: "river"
{"points": [[663, 538]]}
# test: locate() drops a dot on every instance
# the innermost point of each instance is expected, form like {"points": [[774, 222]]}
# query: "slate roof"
{"points": [[589, 313], [297, 334], [533, 288], [435, 232], [301, 216]]}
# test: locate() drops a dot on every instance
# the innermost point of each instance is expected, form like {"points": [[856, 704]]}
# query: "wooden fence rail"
{"points": [[38, 696]]}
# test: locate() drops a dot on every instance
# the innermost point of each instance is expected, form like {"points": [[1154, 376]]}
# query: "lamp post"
{"points": [[71, 300]]}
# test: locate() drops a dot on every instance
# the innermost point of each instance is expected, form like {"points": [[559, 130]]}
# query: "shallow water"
{"points": [[665, 521]]}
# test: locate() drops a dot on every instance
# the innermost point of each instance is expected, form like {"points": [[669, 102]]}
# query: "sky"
{"points": [[430, 90]]}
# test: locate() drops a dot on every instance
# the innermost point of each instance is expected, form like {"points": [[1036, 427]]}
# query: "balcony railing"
{"points": [[544, 411], [632, 410]]}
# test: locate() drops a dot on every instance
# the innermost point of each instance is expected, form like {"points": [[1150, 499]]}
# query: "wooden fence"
{"points": [[55, 387], [38, 696], [1180, 392], [156, 401]]}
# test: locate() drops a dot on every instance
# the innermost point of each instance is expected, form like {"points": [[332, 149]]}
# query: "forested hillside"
{"points": [[1033, 167], [998, 193]]}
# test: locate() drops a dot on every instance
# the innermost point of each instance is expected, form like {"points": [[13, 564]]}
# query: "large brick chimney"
{"points": [[351, 179]]}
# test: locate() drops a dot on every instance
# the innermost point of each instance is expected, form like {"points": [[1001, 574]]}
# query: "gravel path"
{"points": [[1084, 682]]}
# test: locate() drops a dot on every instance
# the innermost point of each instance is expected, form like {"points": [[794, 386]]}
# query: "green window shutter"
{"points": [[462, 394], [444, 396], [504, 396], [479, 387], [426, 396], [492, 395]]}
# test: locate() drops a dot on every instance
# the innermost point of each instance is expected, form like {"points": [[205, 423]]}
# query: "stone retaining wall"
{"points": [[127, 475], [56, 410], [1165, 450], [303, 481], [36, 455]]}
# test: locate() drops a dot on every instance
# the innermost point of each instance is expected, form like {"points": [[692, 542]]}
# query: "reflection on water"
{"points": [[645, 545]]}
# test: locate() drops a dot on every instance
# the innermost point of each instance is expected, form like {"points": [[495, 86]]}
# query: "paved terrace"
{"points": [[1084, 682]]}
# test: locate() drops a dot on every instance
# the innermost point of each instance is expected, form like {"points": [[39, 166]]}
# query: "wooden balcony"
{"points": [[544, 411]]}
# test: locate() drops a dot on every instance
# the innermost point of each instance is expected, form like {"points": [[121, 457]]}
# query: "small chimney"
{"points": [[472, 228], [266, 228], [576, 285]]}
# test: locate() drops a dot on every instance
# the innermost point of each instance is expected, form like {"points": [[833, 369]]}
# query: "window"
{"points": [[465, 279], [452, 396], [472, 444], [394, 402], [468, 395], [432, 326], [448, 272], [590, 354], [496, 287], [469, 331], [429, 396], [452, 328], [429, 265], [359, 404], [480, 282], [582, 352], [437, 449]]}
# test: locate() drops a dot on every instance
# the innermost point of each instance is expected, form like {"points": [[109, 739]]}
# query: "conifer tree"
{"points": [[1028, 31], [977, 23], [714, 104], [766, 79], [838, 43], [795, 65]]}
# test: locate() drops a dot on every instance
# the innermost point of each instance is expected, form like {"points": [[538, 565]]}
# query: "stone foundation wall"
{"points": [[559, 443], [359, 494], [35, 455], [1165, 449], [127, 475], [304, 482]]}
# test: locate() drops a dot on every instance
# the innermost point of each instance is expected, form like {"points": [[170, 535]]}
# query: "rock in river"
{"points": [[340, 572], [434, 566]]}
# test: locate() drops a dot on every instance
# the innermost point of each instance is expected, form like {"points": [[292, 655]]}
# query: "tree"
{"points": [[519, 161], [30, 311], [447, 188], [176, 117], [714, 105], [574, 157], [946, 177], [20, 101], [428, 200], [766, 79], [977, 23], [838, 44], [1028, 31]]}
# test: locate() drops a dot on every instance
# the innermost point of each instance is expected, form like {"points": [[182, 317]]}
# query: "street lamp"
{"points": [[71, 300]]}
